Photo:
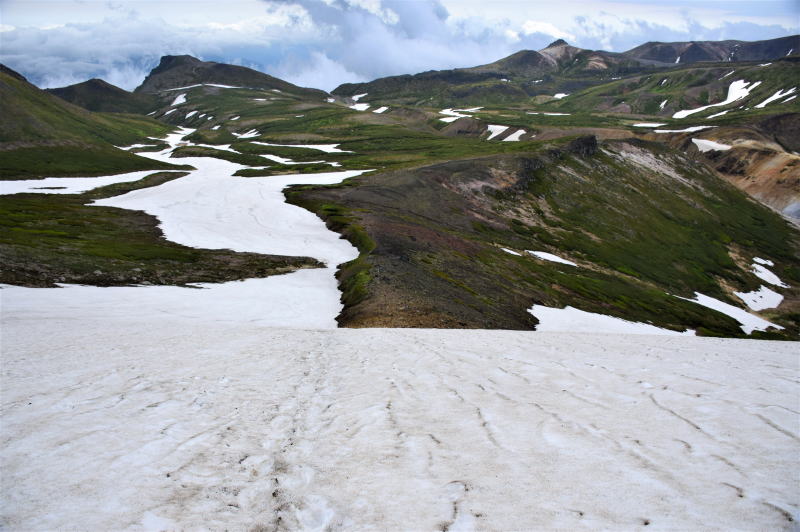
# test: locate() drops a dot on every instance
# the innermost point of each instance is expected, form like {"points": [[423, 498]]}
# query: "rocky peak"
{"points": [[558, 42]]}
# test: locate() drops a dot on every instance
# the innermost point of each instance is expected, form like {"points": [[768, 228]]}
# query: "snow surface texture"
{"points": [[166, 425], [736, 91], [765, 275], [572, 320], [709, 145]]}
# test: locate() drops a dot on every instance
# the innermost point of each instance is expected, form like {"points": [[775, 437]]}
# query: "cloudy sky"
{"points": [[322, 43]]}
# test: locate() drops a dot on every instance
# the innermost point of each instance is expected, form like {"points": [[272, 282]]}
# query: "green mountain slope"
{"points": [[98, 95], [42, 135], [644, 224], [175, 71]]}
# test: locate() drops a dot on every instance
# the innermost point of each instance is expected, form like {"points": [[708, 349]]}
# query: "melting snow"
{"points": [[283, 160], [327, 148], [649, 124], [760, 299], [215, 127], [687, 130], [179, 99], [549, 256], [247, 134], [678, 60], [201, 85], [330, 100], [560, 95], [778, 95], [357, 97], [511, 251], [495, 130], [789, 99], [662, 104], [572, 320], [235, 118], [360, 106], [191, 114], [71, 185], [765, 275], [738, 89], [764, 64], [748, 322], [717, 114], [514, 137], [175, 423], [765, 262], [455, 114], [169, 112], [380, 110], [726, 75], [132, 146], [546, 113], [709, 145]]}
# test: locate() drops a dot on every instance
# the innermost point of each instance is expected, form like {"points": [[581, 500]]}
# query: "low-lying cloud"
{"points": [[323, 43]]}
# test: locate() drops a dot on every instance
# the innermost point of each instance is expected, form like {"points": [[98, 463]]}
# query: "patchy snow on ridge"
{"points": [[357, 97], [179, 99], [764, 262], [778, 95], [715, 115], [546, 113], [649, 124], [686, 130], [765, 275], [573, 320], [495, 130], [748, 322], [201, 85], [789, 99], [514, 137], [549, 256], [282, 160], [360, 106], [327, 148], [380, 110], [511, 251], [169, 112], [760, 299], [709, 145], [662, 104], [247, 134], [330, 100], [726, 75], [560, 95], [171, 423], [71, 185], [190, 114], [736, 91], [235, 118], [455, 114]]}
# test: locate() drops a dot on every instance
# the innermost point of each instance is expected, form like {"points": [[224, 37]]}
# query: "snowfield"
{"points": [[150, 423]]}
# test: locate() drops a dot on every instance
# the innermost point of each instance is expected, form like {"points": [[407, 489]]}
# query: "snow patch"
{"points": [[190, 114], [726, 75], [169, 112], [495, 130], [179, 99], [717, 114], [514, 137], [380, 110], [687, 130], [709, 145], [764, 262], [572, 320], [760, 299], [649, 124], [235, 118], [765, 275], [71, 185], [511, 251], [360, 106], [778, 95], [747, 321], [330, 100], [560, 95], [357, 97], [736, 91], [549, 256], [327, 148], [247, 134], [662, 104]]}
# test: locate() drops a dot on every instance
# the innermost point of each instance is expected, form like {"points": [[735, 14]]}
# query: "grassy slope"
{"points": [[430, 240], [59, 238], [41, 135]]}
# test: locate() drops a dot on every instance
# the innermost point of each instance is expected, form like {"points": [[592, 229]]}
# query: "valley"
{"points": [[560, 290]]}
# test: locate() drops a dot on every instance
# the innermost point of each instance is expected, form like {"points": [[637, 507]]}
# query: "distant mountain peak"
{"points": [[558, 42]]}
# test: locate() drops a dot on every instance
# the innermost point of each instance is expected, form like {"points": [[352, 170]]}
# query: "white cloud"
{"points": [[536, 26]]}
